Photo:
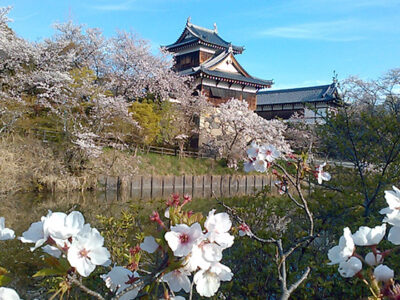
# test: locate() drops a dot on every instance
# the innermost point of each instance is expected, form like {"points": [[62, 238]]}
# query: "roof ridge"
{"points": [[217, 59], [296, 89], [201, 28]]}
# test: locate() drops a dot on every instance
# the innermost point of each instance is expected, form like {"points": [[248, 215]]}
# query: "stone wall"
{"points": [[209, 126]]}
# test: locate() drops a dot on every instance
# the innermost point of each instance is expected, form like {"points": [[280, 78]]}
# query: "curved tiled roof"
{"points": [[297, 95], [205, 36], [226, 76]]}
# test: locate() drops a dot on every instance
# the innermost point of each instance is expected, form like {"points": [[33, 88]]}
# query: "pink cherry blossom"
{"points": [[87, 251], [182, 238]]}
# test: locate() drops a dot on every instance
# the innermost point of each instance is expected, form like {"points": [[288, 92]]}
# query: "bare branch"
{"points": [[88, 291]]}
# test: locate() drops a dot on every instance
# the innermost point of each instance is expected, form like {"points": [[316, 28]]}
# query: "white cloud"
{"points": [[337, 31]]}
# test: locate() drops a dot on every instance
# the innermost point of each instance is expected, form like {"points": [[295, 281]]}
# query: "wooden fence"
{"points": [[47, 135], [201, 186], [174, 152]]}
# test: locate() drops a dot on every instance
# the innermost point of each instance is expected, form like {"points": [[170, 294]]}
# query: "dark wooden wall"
{"points": [[251, 99], [186, 61], [282, 114], [189, 60]]}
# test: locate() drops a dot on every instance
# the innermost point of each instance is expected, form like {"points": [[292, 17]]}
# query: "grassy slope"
{"points": [[156, 164]]}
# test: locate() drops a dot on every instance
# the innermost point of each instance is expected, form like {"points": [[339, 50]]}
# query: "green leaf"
{"points": [[49, 272], [4, 280]]}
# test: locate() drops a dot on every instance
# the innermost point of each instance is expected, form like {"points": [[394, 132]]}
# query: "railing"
{"points": [[173, 152], [47, 135]]}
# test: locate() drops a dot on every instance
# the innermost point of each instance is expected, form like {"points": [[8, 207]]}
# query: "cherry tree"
{"points": [[239, 127], [84, 83]]}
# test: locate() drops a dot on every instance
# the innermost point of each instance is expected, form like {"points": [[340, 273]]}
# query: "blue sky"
{"points": [[295, 42]]}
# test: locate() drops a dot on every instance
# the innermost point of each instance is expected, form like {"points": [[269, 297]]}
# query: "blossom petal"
{"points": [[366, 236], [207, 283], [383, 273], [394, 235], [350, 267], [149, 244], [8, 294]]}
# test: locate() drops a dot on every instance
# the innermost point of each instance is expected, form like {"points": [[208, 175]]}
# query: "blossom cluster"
{"points": [[238, 126], [200, 251], [351, 262], [60, 234], [261, 157]]}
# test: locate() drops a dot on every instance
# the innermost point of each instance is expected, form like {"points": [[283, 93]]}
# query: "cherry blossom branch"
{"points": [[88, 291], [144, 280], [191, 291], [297, 185], [139, 284], [294, 200], [282, 255], [296, 284], [232, 212]]}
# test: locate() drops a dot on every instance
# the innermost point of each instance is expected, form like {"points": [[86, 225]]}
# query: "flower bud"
{"points": [[373, 260], [383, 273]]}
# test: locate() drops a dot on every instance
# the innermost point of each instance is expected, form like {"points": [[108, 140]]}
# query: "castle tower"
{"points": [[203, 54]]}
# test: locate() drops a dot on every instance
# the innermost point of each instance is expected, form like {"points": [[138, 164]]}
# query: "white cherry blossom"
{"points": [[34, 235], [5, 233], [383, 273], [208, 281], [253, 151], [56, 226], [350, 267], [182, 238], [87, 251], [217, 226], [372, 259], [344, 250], [248, 166], [177, 280], [321, 175], [8, 294], [196, 260], [149, 244], [392, 212], [62, 226], [203, 256], [51, 250], [366, 236], [260, 165], [394, 235], [118, 279]]}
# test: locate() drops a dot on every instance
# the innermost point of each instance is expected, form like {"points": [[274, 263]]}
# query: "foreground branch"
{"points": [[88, 291]]}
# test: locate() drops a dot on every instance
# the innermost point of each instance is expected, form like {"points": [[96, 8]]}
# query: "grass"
{"points": [[29, 164], [156, 164]]}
